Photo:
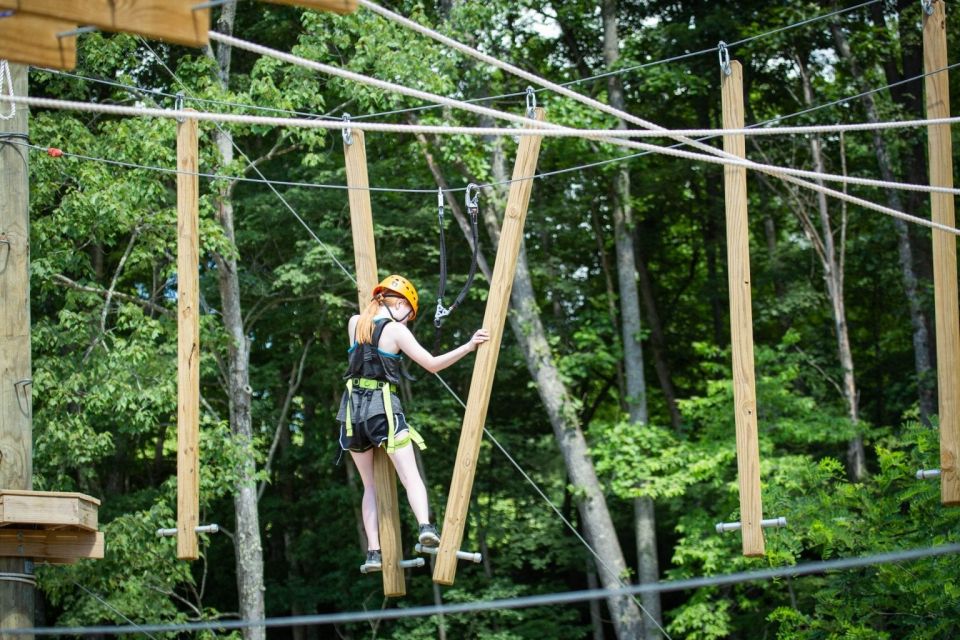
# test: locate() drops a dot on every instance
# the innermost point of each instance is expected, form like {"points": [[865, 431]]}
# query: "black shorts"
{"points": [[374, 433]]}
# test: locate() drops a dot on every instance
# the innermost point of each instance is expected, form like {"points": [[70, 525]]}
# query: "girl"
{"points": [[370, 412]]}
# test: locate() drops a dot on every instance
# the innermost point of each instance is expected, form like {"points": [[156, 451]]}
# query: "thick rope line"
{"points": [[605, 108], [432, 190], [572, 94], [565, 132], [551, 599]]}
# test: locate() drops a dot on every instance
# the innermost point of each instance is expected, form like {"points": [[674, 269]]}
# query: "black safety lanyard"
{"points": [[472, 210]]}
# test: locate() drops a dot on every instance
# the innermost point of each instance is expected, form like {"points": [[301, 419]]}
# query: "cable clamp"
{"points": [[6, 85], [531, 103], [178, 105], [347, 134], [440, 204], [927, 6], [724, 54], [20, 389]]}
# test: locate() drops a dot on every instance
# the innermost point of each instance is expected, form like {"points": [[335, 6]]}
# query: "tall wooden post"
{"points": [[16, 440], [940, 158], [365, 256], [741, 316], [188, 340], [494, 318]]}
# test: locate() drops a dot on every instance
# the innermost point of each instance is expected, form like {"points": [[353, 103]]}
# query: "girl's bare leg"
{"points": [[364, 463], [405, 463]]}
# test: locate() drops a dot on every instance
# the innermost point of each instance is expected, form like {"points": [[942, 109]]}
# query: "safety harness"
{"points": [[364, 388]]}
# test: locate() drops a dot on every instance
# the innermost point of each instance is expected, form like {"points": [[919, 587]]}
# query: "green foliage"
{"points": [[103, 292]]}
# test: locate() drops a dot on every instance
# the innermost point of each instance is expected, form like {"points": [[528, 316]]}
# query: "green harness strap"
{"points": [[392, 444]]}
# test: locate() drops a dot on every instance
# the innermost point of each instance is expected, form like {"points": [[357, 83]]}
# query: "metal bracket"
{"points": [[723, 527], [20, 389], [347, 135], [531, 103], [461, 555], [404, 564], [724, 54], [78, 31], [204, 528], [211, 4], [6, 255], [926, 474]]}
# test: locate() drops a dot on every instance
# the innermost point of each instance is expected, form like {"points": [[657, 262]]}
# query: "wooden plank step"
{"points": [[48, 508]]}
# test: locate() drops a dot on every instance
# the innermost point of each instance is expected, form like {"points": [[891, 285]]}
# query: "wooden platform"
{"points": [[50, 526]]}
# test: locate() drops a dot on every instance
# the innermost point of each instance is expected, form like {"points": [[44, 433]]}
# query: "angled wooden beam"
{"points": [[741, 317], [494, 318], [170, 20], [365, 258], [34, 40], [53, 546], [940, 158], [188, 340], [336, 6]]}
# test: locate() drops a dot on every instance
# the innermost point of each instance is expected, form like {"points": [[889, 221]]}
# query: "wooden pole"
{"points": [[741, 317], [16, 443], [494, 318], [940, 158], [365, 257], [188, 340]]}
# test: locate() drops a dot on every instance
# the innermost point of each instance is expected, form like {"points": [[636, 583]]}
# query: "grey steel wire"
{"points": [[525, 602]]}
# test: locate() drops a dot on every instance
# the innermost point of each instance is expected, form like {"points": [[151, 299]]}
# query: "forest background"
{"points": [[619, 344]]}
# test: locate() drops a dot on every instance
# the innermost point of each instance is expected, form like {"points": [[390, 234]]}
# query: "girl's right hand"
{"points": [[481, 336]]}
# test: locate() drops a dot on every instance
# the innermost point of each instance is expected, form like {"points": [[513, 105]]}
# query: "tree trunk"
{"points": [[658, 343], [248, 550], [645, 523], [921, 342], [833, 277]]}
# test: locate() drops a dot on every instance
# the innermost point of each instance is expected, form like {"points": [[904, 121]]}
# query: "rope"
{"points": [[546, 174], [724, 159], [550, 599], [622, 115], [7, 79], [293, 211]]}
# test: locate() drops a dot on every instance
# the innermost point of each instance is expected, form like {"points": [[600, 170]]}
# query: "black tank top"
{"points": [[368, 361]]}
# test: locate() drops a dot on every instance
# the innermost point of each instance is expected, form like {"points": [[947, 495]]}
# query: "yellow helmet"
{"points": [[402, 287]]}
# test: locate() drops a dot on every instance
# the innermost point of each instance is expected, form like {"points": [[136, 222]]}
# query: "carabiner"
{"points": [[471, 203]]}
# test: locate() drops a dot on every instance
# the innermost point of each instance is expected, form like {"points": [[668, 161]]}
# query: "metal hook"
{"points": [[20, 389], [531, 102], [347, 135], [724, 54], [927, 6], [471, 203], [6, 257]]}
